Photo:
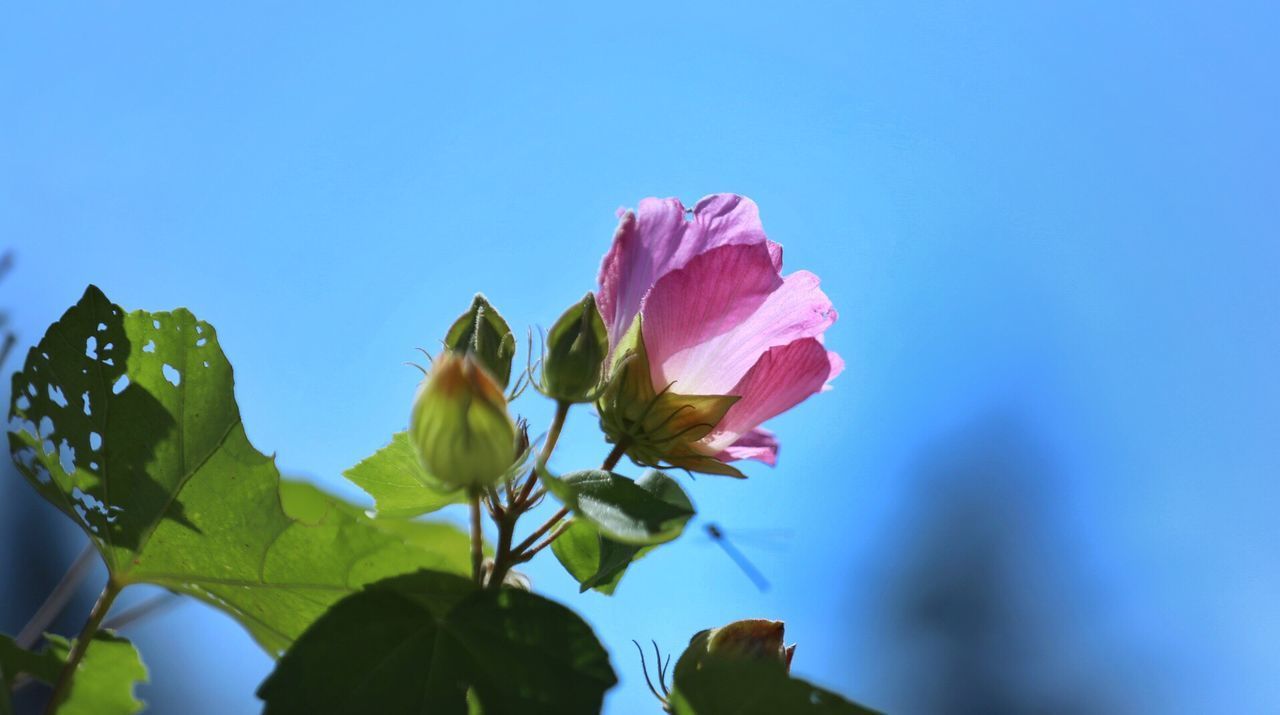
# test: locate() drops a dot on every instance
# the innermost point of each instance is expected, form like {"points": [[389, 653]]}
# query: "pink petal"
{"points": [[708, 323], [658, 239], [758, 444], [782, 379]]}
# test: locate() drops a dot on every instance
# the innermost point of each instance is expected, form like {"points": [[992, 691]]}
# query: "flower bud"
{"points": [[460, 426], [754, 638], [576, 348], [482, 332]]}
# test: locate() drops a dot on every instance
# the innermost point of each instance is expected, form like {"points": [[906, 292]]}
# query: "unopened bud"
{"points": [[460, 426], [754, 638], [576, 348], [482, 332]]}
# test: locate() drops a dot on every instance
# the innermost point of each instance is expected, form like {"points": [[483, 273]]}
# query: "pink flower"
{"points": [[717, 317]]}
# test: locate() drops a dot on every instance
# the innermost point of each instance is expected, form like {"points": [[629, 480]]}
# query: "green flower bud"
{"points": [[483, 332], [576, 348], [460, 426]]}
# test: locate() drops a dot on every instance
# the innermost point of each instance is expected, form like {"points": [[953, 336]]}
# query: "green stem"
{"points": [[503, 558], [519, 555], [62, 688], [477, 536]]}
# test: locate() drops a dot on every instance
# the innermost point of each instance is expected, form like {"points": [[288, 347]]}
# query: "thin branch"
{"points": [[57, 599]]}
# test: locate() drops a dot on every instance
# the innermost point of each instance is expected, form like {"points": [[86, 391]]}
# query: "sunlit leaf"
{"points": [[418, 643], [129, 424], [394, 477], [103, 682]]}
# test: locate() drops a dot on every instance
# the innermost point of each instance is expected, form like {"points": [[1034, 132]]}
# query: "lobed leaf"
{"points": [[128, 423]]}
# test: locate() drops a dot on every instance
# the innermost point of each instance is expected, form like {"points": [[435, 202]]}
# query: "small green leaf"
{"points": [[400, 487], [598, 562], [418, 643], [621, 509], [129, 424], [752, 687], [15, 660], [103, 683]]}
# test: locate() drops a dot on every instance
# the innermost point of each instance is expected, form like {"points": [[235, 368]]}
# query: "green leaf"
{"points": [[598, 562], [103, 683], [417, 643], [105, 678], [623, 510], [400, 487], [752, 687], [15, 660], [129, 424]]}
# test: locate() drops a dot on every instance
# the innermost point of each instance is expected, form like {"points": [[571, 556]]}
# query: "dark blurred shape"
{"points": [[985, 609], [37, 544]]}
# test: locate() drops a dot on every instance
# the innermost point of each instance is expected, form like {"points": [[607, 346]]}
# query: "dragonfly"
{"points": [[718, 534]]}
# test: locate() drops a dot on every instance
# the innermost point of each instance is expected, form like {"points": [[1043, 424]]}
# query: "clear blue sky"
{"points": [[1065, 214]]}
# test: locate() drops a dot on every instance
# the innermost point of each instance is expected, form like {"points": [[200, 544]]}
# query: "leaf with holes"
{"points": [[418, 643], [599, 562], [621, 509], [128, 423], [104, 680]]}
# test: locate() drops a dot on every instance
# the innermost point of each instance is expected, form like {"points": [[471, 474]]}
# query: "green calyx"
{"points": [[660, 427], [482, 332], [576, 350]]}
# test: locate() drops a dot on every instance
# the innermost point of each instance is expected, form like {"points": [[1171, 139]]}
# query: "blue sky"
{"points": [[1061, 213]]}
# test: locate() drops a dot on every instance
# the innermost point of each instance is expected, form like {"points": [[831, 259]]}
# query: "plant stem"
{"points": [[609, 463], [57, 599], [477, 545], [553, 437], [62, 688], [564, 526], [503, 557]]}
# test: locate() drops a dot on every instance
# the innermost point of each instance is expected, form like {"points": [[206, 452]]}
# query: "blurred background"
{"points": [[1047, 481]]}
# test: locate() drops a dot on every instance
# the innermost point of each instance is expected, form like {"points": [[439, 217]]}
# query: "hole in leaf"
{"points": [[150, 347], [46, 426], [95, 441], [202, 342], [93, 466], [155, 324], [120, 385], [55, 394], [91, 348], [108, 361], [171, 374], [22, 402], [67, 457], [85, 399]]}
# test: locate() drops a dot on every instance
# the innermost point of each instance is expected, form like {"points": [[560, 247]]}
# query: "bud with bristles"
{"points": [[576, 349], [482, 332]]}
